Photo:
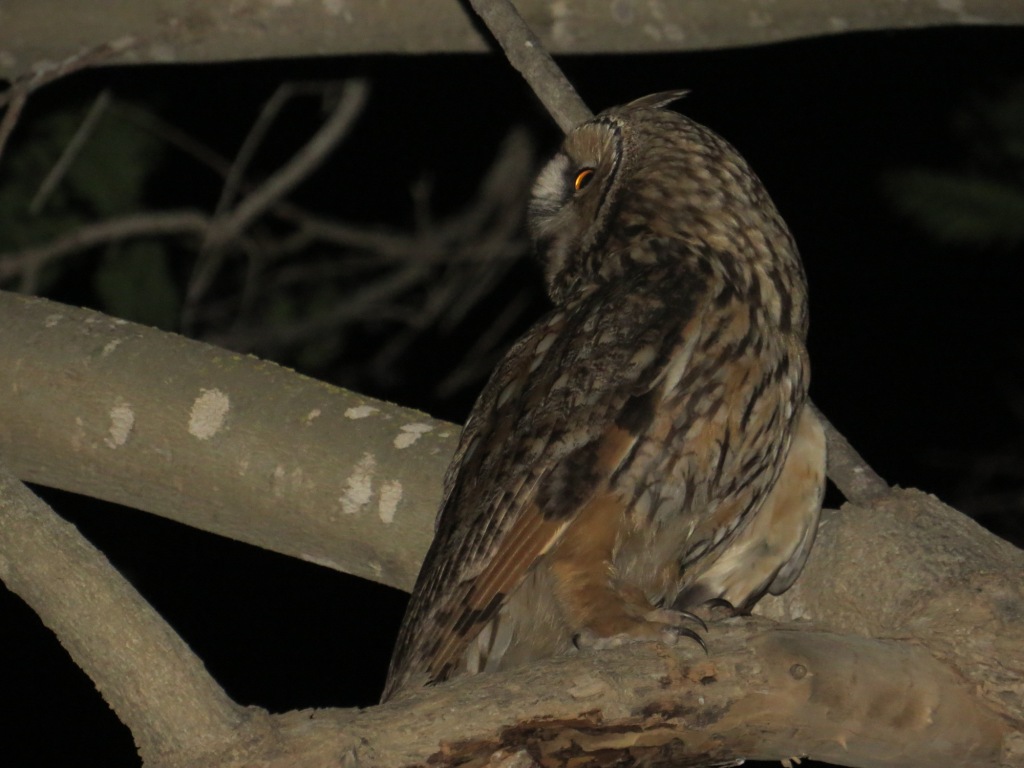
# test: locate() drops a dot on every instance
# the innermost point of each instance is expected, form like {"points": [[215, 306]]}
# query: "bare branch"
{"points": [[527, 54], [46, 72], [371, 299], [15, 105], [853, 476], [184, 142], [764, 692], [217, 440], [304, 162], [100, 105], [235, 178], [228, 227], [188, 32], [27, 262], [147, 674]]}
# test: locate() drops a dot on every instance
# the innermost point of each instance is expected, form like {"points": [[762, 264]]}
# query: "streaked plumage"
{"points": [[629, 454]]}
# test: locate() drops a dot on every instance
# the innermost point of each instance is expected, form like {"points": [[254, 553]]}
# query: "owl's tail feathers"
{"points": [[769, 549]]}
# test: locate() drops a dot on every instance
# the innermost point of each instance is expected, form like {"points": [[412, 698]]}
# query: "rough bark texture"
{"points": [[37, 33], [910, 568]]}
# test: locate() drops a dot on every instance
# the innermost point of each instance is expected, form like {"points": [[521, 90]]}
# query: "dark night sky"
{"points": [[914, 346]]}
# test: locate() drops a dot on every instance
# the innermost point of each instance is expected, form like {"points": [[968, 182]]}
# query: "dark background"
{"points": [[916, 346]]}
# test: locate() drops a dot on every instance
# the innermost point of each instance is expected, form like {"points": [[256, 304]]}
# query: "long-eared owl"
{"points": [[647, 446]]}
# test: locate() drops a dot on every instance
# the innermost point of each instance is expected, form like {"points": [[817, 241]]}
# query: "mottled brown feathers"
{"points": [[646, 445]]}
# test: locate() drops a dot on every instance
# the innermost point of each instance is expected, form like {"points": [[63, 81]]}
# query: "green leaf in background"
{"points": [[983, 205], [1007, 118], [25, 165], [111, 171], [134, 281], [107, 177], [960, 209]]}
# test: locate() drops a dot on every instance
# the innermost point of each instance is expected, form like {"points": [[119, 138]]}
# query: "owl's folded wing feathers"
{"points": [[516, 484]]}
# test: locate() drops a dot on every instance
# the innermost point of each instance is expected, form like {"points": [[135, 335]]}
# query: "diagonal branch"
{"points": [[15, 97], [71, 151], [147, 674], [527, 54], [853, 476]]}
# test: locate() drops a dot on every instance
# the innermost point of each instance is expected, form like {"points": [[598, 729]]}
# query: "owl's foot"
{"points": [[661, 625]]}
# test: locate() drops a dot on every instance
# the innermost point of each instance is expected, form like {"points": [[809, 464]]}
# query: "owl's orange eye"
{"points": [[583, 178]]}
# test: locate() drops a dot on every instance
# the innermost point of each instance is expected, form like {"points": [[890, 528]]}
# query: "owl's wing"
{"points": [[549, 429]]}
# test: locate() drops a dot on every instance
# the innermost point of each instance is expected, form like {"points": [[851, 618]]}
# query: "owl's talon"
{"points": [[674, 617], [683, 632], [660, 625], [674, 620]]}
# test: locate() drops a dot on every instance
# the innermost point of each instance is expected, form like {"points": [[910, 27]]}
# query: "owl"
{"points": [[647, 446]]}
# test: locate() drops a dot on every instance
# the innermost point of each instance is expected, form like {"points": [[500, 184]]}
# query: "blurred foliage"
{"points": [[366, 306], [106, 177], [134, 280], [982, 203], [961, 209], [980, 206]]}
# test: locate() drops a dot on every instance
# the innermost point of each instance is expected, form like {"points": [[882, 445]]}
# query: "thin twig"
{"points": [[853, 476], [357, 306], [526, 53], [268, 114], [71, 151], [17, 94], [14, 108], [481, 357], [171, 134], [27, 262], [305, 161], [54, 71]]}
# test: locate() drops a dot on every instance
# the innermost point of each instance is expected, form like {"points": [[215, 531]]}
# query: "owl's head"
{"points": [[637, 172]]}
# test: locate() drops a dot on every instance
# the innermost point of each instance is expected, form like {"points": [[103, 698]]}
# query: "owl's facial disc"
{"points": [[570, 210]]}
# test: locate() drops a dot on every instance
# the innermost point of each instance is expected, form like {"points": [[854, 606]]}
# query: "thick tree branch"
{"points": [[147, 674], [218, 441], [185, 31], [764, 692]]}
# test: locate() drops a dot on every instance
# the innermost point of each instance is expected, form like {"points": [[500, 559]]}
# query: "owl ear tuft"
{"points": [[657, 100]]}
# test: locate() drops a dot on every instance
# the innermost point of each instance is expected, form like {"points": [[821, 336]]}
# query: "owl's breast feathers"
{"points": [[628, 433]]}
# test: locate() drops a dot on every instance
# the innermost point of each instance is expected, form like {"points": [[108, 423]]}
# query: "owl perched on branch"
{"points": [[647, 446]]}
